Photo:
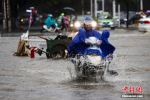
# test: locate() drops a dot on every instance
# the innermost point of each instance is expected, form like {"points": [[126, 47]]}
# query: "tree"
{"points": [[126, 2]]}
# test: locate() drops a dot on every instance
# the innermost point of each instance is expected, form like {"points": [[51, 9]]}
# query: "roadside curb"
{"points": [[13, 34]]}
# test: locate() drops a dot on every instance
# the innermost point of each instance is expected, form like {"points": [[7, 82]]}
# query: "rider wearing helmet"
{"points": [[79, 43]]}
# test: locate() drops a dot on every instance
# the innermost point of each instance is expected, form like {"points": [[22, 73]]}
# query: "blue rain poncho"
{"points": [[78, 45], [106, 47]]}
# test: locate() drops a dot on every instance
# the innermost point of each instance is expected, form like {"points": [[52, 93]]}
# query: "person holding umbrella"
{"points": [[66, 19], [65, 22]]}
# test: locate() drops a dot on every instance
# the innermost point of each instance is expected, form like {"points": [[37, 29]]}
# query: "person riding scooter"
{"points": [[49, 24], [79, 44]]}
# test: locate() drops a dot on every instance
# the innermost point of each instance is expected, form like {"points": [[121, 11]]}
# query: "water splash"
{"points": [[83, 63]]}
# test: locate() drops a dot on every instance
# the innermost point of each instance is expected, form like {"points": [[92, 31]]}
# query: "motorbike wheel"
{"points": [[99, 76], [42, 30], [48, 55], [58, 31], [59, 51]]}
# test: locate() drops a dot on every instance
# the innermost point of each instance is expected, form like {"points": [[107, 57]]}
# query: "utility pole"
{"points": [[137, 5], [95, 3], [103, 7], [118, 15], [91, 7], [82, 7], [8, 16], [141, 4], [114, 9], [4, 16]]}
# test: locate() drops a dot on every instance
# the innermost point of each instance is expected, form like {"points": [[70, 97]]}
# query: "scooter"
{"points": [[52, 29], [90, 65]]}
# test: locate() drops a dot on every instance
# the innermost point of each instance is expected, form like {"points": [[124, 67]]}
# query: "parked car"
{"points": [[132, 18], [144, 24], [106, 20], [22, 22], [122, 17], [78, 22]]}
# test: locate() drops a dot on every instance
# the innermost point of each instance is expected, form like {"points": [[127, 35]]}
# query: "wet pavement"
{"points": [[39, 78]]}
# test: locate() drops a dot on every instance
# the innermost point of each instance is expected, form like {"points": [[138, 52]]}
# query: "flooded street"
{"points": [[39, 78]]}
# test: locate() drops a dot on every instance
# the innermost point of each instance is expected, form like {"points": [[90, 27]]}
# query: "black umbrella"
{"points": [[68, 10]]}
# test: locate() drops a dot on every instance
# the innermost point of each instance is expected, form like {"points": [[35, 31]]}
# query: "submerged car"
{"points": [[106, 20], [144, 24], [78, 22]]}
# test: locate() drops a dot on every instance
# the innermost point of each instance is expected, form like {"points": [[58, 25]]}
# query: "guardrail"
{"points": [[36, 42]]}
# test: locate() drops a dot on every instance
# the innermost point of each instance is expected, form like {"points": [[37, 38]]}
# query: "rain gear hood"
{"points": [[87, 21], [78, 45], [49, 21]]}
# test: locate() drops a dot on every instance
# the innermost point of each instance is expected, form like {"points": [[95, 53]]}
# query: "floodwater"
{"points": [[39, 78]]}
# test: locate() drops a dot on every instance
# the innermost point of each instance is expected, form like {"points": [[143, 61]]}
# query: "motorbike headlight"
{"points": [[71, 25], [94, 24], [21, 20], [77, 24]]}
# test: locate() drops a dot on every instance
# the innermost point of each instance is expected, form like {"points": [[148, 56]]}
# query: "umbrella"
{"points": [[68, 10]]}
